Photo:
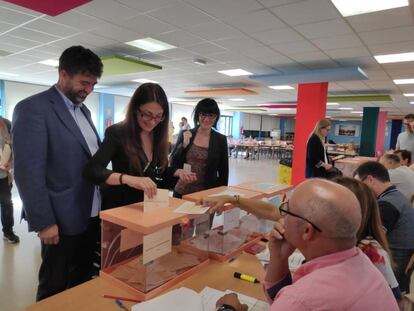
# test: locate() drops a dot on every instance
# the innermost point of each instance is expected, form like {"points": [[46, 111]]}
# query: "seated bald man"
{"points": [[321, 220]]}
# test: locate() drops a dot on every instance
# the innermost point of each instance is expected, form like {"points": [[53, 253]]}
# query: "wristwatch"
{"points": [[225, 308]]}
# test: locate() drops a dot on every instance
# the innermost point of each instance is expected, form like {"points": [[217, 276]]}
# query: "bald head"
{"points": [[334, 208]]}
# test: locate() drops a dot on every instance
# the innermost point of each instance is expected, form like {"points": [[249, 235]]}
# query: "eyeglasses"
{"points": [[208, 115], [285, 211], [149, 117]]}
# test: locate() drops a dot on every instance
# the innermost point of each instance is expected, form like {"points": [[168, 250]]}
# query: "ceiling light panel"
{"points": [[404, 81], [395, 58], [144, 81], [357, 7], [50, 62], [281, 87], [151, 45], [235, 72]]}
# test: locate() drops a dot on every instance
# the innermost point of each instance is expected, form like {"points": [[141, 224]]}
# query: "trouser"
{"points": [[401, 258], [69, 263], [6, 203]]}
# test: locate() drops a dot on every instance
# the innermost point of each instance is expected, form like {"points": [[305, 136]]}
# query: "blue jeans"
{"points": [[401, 258]]}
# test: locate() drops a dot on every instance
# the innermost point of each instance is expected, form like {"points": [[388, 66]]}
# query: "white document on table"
{"points": [[231, 219], [227, 192], [191, 208], [176, 300], [210, 296], [156, 244], [160, 200]]}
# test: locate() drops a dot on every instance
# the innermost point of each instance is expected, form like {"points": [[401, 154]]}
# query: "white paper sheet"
{"points": [[231, 219], [176, 300], [160, 200], [227, 192], [156, 244], [191, 208], [187, 167], [211, 295]]}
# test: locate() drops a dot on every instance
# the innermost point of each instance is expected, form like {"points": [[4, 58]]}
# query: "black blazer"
{"points": [[315, 153], [217, 169], [112, 150]]}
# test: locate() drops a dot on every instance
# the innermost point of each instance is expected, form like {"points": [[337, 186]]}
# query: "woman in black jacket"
{"points": [[204, 149], [138, 150], [317, 164]]}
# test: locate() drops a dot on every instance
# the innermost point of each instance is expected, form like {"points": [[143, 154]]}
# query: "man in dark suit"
{"points": [[53, 138]]}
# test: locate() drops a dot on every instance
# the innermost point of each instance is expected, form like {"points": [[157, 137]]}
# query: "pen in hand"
{"points": [[120, 304]]}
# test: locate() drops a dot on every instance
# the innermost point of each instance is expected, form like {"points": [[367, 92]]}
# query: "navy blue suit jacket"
{"points": [[49, 155]]}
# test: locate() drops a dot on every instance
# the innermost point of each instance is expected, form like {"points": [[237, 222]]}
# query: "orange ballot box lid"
{"points": [[223, 190], [268, 189], [133, 216]]}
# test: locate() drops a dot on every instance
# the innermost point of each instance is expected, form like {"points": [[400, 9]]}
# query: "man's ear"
{"points": [[308, 232]]}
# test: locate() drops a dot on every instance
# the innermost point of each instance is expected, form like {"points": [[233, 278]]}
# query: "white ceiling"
{"points": [[260, 36]]}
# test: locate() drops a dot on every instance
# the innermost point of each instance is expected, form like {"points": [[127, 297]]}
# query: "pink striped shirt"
{"points": [[345, 280]]}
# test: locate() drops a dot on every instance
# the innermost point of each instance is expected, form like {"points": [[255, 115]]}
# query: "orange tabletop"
{"points": [[133, 217], [219, 275], [268, 189], [349, 165], [197, 196]]}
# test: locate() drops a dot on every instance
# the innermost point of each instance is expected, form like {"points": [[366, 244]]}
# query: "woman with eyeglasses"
{"points": [[317, 164], [203, 149], [138, 150], [371, 238]]}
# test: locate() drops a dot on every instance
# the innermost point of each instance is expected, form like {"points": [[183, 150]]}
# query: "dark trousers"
{"points": [[6, 203], [401, 258], [69, 263]]}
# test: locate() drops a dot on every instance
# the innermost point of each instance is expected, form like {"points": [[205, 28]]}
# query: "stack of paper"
{"points": [[204, 301]]}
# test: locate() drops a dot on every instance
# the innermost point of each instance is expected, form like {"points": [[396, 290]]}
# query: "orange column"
{"points": [[311, 107]]}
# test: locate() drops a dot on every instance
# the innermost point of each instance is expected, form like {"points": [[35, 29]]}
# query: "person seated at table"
{"points": [[405, 158], [397, 216], [317, 161], [321, 219], [400, 176], [371, 237], [204, 148]]}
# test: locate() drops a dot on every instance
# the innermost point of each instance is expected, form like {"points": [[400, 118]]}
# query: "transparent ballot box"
{"points": [[147, 252], [271, 192], [234, 230]]}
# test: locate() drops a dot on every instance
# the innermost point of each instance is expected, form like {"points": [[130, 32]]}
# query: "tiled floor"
{"points": [[19, 263]]}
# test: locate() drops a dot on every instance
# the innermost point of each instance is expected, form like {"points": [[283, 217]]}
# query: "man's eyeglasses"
{"points": [[149, 117], [284, 210], [208, 115]]}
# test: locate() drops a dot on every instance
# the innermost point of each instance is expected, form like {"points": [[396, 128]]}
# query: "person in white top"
{"points": [[401, 176], [405, 139]]}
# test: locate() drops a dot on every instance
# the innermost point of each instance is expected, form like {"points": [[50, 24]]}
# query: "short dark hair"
{"points": [[409, 116], [206, 105], [373, 168], [405, 154], [392, 157], [78, 59]]}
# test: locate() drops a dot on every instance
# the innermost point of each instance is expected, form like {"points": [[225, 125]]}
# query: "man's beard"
{"points": [[75, 97]]}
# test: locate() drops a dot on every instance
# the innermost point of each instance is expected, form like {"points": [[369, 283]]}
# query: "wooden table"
{"points": [[197, 196], [267, 189], [88, 296], [349, 165]]}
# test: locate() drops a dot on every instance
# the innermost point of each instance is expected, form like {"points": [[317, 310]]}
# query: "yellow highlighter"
{"points": [[246, 277]]}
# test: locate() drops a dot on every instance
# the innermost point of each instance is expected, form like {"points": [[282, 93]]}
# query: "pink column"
{"points": [[382, 123]]}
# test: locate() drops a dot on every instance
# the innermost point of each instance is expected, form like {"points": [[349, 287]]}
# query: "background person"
{"points": [[401, 176], [7, 218], [397, 216], [53, 138], [371, 237], [317, 163], [138, 150], [204, 149], [405, 140]]}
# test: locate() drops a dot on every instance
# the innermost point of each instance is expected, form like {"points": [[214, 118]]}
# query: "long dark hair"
{"points": [[371, 224], [144, 94]]}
